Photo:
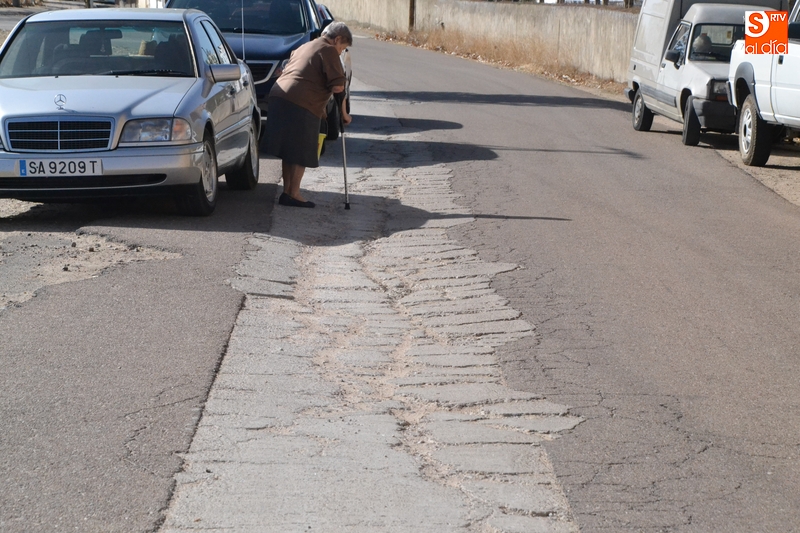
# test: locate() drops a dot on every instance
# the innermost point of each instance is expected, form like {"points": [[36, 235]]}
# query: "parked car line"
{"points": [[125, 102]]}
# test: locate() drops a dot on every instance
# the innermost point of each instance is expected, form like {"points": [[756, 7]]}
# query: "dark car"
{"points": [[263, 33], [324, 12]]}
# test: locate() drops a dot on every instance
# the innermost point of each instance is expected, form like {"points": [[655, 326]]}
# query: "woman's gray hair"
{"points": [[338, 29]]}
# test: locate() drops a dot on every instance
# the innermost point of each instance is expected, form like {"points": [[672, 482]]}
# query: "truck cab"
{"points": [[765, 88], [679, 64]]}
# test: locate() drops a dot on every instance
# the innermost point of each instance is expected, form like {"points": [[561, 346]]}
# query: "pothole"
{"points": [[30, 261]]}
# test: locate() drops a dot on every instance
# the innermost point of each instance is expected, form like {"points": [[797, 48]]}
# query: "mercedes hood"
{"points": [[111, 96]]}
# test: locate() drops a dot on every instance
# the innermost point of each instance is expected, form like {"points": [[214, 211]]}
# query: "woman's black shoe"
{"points": [[287, 200]]}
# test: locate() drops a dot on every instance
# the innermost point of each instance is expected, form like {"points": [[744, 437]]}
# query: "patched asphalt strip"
{"points": [[360, 390]]}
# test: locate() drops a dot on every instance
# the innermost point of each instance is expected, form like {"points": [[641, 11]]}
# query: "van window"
{"points": [[713, 42], [679, 42]]}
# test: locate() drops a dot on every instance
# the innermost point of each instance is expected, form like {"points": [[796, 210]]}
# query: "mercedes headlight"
{"points": [[156, 130]]}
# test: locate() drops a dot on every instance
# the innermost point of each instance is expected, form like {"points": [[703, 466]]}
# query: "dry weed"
{"points": [[529, 56]]}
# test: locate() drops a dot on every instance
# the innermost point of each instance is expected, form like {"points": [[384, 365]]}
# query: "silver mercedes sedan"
{"points": [[125, 102]]}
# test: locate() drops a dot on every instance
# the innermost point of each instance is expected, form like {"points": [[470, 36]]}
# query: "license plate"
{"points": [[29, 168]]}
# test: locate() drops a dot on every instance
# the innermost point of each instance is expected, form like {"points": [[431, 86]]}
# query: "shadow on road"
{"points": [[244, 212], [369, 217], [237, 211], [533, 100], [383, 153], [784, 154], [250, 211], [392, 125]]}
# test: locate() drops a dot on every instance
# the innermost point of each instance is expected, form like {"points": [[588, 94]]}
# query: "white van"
{"points": [[679, 63]]}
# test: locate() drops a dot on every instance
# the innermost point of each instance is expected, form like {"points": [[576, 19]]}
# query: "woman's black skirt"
{"points": [[292, 133]]}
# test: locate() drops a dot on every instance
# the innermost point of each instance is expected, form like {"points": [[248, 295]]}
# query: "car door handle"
{"points": [[780, 60]]}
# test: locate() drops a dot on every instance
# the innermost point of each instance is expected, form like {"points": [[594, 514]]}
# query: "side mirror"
{"points": [[223, 73], [326, 23], [673, 56], [315, 34]]}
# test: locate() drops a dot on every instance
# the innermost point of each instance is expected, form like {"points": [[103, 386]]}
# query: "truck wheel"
{"points": [[642, 117], [755, 135], [691, 124]]}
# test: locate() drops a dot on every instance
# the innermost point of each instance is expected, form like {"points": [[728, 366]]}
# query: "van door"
{"points": [[648, 48], [670, 75]]}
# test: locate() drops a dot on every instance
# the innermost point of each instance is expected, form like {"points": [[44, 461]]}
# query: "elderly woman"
{"points": [[297, 104]]}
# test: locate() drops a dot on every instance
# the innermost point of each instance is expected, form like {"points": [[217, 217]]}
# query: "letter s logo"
{"points": [[756, 24]]}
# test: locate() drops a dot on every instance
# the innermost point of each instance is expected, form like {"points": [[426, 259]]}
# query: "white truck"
{"points": [[679, 62], [765, 88]]}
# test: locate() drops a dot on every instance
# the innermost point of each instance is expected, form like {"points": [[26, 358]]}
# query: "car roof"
{"points": [[121, 14], [720, 13]]}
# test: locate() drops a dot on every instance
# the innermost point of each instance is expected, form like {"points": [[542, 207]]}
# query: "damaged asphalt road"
{"points": [[108, 349], [532, 319]]}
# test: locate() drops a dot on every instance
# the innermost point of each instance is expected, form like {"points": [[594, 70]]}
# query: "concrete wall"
{"points": [[597, 41], [386, 15]]}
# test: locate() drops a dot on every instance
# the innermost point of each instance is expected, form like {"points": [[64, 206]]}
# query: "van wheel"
{"points": [[642, 117], [691, 124], [755, 135]]}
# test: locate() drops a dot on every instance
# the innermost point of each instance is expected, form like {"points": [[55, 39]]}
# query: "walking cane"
{"points": [[344, 152]]}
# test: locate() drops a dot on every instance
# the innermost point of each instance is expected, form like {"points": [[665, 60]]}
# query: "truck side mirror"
{"points": [[673, 56]]}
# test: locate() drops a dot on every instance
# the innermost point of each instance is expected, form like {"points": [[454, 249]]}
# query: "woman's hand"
{"points": [[346, 118]]}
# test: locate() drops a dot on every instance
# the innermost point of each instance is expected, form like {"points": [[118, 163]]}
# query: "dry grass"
{"points": [[529, 56]]}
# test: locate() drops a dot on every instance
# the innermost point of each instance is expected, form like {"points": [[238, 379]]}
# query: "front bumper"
{"points": [[715, 115], [140, 171]]}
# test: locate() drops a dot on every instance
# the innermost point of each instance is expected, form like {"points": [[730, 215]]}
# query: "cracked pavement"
{"points": [[567, 341], [361, 390]]}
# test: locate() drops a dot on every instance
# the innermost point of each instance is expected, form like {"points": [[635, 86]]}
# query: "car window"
{"points": [[315, 14], [324, 13], [679, 41], [277, 17], [714, 42], [219, 46], [208, 52], [79, 48]]}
